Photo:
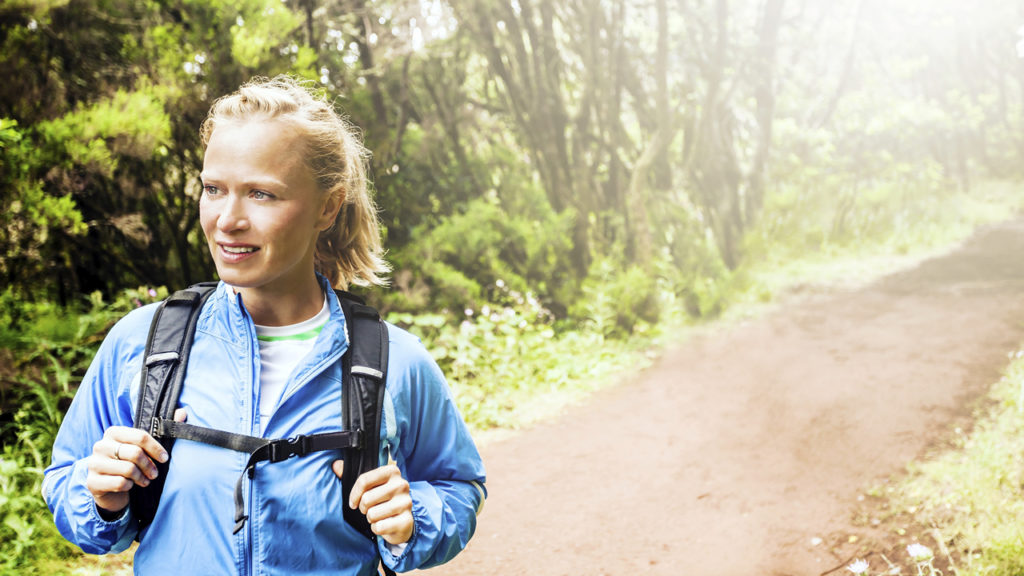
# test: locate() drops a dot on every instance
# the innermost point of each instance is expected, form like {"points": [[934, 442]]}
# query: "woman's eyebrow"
{"points": [[252, 182]]}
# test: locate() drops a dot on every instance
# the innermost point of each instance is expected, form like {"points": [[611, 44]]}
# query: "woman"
{"points": [[286, 214]]}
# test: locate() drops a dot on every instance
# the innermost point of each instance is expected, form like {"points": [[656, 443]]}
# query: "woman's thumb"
{"points": [[338, 466]]}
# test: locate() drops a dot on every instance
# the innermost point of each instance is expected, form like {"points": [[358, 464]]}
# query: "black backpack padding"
{"points": [[167, 349], [364, 374]]}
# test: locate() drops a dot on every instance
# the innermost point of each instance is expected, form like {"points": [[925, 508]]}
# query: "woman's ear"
{"points": [[329, 210]]}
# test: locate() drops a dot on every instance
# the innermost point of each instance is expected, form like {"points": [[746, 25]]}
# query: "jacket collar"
{"points": [[225, 316]]}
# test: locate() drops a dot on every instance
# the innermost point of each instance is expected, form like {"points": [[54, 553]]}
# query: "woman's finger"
{"points": [[395, 529], [108, 478], [393, 488], [394, 506], [139, 438], [132, 458], [120, 468], [373, 482]]}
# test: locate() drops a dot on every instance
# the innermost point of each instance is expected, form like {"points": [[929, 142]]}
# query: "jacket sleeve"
{"points": [[103, 399], [436, 454]]}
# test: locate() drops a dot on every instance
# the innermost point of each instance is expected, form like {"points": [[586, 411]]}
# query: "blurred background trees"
{"points": [[557, 147], [553, 175]]}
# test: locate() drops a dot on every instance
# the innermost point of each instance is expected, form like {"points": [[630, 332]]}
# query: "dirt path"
{"points": [[735, 451]]}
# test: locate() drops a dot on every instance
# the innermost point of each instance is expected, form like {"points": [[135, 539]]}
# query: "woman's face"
{"points": [[261, 210]]}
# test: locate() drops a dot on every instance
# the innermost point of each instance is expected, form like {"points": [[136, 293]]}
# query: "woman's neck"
{"points": [[269, 308]]}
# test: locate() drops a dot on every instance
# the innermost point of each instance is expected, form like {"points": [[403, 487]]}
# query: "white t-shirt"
{"points": [[281, 349]]}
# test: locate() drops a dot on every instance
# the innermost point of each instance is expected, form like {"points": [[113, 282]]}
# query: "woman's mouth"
{"points": [[239, 249], [236, 253]]}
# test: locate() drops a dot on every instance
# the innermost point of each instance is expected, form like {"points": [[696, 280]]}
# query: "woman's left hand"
{"points": [[383, 496]]}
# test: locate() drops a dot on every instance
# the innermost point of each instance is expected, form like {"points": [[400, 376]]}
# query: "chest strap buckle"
{"points": [[285, 449]]}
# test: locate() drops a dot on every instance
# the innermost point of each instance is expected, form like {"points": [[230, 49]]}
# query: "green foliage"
{"points": [[616, 300], [457, 263], [33, 222], [43, 328], [133, 123], [260, 27], [44, 352], [691, 268], [26, 530]]}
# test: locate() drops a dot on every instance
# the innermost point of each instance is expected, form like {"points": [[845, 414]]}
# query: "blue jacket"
{"points": [[295, 521]]}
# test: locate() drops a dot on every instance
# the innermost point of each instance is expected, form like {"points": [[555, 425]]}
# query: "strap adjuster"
{"points": [[285, 449]]}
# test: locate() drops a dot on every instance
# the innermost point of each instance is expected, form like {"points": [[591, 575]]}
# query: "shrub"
{"points": [[616, 301], [458, 263]]}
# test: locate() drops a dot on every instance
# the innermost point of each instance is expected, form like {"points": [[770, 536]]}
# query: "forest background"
{"points": [[559, 180]]}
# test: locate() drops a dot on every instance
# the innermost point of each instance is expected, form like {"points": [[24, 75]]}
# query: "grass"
{"points": [[971, 493]]}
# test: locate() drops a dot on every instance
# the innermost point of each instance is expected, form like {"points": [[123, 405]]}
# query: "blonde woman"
{"points": [[287, 216]]}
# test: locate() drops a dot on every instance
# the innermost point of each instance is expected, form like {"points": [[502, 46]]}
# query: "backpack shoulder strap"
{"points": [[163, 374], [364, 374]]}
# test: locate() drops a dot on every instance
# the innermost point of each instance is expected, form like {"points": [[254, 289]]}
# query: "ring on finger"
{"points": [[117, 451]]}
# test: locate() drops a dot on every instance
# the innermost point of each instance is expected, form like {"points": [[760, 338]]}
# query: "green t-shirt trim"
{"points": [[307, 335]]}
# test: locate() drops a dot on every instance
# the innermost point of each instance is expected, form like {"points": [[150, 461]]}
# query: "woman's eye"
{"points": [[210, 190], [261, 195]]}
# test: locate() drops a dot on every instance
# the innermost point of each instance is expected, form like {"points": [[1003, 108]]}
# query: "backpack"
{"points": [[364, 373]]}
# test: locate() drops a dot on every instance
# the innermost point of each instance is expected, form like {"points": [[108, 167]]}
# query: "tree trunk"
{"points": [[639, 233], [764, 92]]}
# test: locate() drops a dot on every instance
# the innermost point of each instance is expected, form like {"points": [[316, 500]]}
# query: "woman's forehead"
{"points": [[257, 149]]}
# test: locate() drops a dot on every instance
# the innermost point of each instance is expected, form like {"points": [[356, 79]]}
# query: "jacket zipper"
{"points": [[248, 550], [248, 559]]}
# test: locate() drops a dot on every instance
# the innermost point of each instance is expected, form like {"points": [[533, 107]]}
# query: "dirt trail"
{"points": [[737, 449]]}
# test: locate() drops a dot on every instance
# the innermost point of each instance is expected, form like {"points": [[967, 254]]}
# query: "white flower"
{"points": [[469, 311], [858, 567], [919, 551]]}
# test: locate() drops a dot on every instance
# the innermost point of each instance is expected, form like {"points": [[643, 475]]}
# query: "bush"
{"points": [[458, 263], [26, 529], [616, 301], [46, 352]]}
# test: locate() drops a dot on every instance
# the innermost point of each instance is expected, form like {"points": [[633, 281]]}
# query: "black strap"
{"points": [[259, 449], [163, 375], [364, 371], [183, 431]]}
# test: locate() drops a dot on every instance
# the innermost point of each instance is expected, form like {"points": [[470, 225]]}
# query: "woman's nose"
{"points": [[232, 215]]}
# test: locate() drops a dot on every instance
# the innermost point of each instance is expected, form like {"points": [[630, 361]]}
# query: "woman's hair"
{"points": [[350, 251]]}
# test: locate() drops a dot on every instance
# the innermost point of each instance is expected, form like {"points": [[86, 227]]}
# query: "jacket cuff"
{"points": [[427, 515], [387, 551], [96, 534]]}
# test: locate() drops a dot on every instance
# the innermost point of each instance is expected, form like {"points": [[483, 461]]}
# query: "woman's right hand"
{"points": [[121, 459]]}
